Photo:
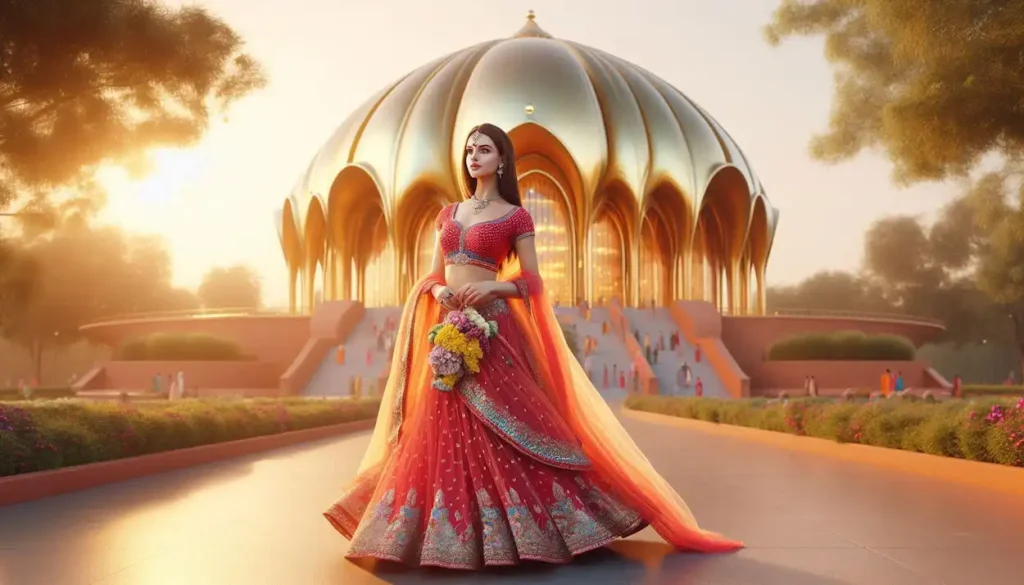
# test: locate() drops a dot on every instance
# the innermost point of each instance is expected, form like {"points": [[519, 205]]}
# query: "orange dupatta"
{"points": [[614, 455]]}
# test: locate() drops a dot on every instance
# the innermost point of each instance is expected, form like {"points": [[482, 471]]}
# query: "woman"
{"points": [[521, 461]]}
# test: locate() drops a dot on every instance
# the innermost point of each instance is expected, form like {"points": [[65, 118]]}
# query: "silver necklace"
{"points": [[481, 204]]}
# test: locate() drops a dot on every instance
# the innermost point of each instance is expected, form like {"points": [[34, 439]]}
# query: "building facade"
{"points": [[637, 192]]}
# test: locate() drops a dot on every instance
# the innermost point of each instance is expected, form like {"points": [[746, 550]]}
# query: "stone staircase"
{"points": [[657, 322], [332, 379], [610, 350]]}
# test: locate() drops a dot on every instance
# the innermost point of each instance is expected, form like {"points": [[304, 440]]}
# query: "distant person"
{"points": [[683, 377], [958, 390], [812, 386], [886, 383], [898, 384], [699, 388]]}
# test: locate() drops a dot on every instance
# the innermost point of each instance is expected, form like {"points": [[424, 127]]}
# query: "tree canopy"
{"points": [[1000, 269], [915, 269], [937, 85], [100, 81], [234, 287], [79, 275]]}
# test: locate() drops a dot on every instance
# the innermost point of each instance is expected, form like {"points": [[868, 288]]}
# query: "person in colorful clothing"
{"points": [[515, 456]]}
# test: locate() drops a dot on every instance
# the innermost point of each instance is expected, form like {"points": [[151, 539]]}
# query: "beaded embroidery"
{"points": [[486, 243], [531, 442]]}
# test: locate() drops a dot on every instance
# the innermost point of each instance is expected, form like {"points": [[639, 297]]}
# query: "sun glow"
{"points": [[146, 204]]}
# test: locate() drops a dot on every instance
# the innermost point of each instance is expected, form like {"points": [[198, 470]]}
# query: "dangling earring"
{"points": [[501, 169]]}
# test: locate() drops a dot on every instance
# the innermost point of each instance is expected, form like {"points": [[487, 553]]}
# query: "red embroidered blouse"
{"points": [[485, 244]]}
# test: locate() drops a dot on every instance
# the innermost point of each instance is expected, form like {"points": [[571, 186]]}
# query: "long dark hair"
{"points": [[508, 182]]}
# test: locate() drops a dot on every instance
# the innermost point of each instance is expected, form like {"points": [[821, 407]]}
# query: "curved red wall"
{"points": [[748, 340]]}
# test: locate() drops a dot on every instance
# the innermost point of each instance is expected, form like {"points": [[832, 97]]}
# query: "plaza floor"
{"points": [[806, 519]]}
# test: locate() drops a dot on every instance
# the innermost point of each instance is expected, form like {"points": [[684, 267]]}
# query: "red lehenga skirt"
{"points": [[487, 474]]}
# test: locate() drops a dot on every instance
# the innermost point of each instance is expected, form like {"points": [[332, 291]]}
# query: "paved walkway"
{"points": [[807, 520]]}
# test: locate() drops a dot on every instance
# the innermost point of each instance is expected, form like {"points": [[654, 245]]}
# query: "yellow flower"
{"points": [[450, 380], [449, 338], [472, 355]]}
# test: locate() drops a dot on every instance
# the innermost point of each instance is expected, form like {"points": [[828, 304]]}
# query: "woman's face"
{"points": [[482, 157]]}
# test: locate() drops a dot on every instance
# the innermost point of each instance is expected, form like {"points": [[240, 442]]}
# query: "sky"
{"points": [[214, 203]]}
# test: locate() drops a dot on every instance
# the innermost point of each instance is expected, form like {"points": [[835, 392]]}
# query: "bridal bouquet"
{"points": [[459, 343]]}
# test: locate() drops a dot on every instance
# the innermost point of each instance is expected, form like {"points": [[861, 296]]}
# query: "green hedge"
{"points": [[989, 430], [842, 346], [36, 436], [992, 390], [7, 394], [180, 347]]}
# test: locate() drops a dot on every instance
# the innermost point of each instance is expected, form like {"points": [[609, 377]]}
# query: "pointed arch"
{"points": [[613, 236], [668, 220], [540, 154], [413, 228], [355, 204], [722, 225]]}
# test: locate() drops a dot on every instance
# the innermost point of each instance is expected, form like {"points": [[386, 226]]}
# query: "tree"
{"points": [[101, 81], [1000, 270], [829, 291], [83, 275], [19, 278], [937, 85], [928, 271], [914, 269], [234, 287]]}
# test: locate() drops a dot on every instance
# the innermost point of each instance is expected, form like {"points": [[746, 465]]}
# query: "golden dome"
{"points": [[612, 129]]}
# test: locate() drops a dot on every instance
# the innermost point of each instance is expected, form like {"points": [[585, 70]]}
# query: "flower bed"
{"points": [[989, 430], [36, 436]]}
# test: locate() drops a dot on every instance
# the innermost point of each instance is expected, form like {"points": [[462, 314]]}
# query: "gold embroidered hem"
{"points": [[508, 533]]}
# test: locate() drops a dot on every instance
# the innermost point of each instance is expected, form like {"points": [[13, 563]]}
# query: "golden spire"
{"points": [[530, 29]]}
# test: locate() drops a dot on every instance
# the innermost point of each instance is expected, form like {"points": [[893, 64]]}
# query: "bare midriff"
{"points": [[458, 276]]}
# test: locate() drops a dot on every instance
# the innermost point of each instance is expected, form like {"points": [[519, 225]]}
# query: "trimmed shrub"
{"points": [[36, 436], [180, 347], [989, 430], [842, 346], [992, 390]]}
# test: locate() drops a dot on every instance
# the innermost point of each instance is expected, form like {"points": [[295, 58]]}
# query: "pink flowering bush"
{"points": [[990, 430], [40, 435]]}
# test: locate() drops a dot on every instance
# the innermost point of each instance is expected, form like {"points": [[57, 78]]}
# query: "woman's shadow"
{"points": [[620, 563]]}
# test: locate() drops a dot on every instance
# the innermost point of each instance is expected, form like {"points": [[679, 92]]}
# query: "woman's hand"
{"points": [[476, 294], [445, 297]]}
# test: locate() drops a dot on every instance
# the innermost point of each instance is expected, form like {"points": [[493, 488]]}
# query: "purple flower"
{"points": [[995, 415], [444, 362], [460, 321]]}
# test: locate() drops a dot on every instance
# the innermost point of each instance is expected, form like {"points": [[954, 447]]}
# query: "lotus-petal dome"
{"points": [[615, 127]]}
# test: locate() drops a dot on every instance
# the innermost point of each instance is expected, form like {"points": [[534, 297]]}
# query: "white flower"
{"points": [[476, 318]]}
